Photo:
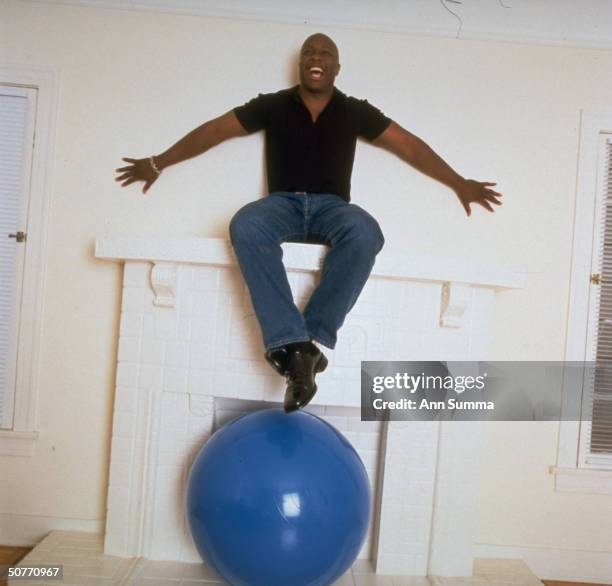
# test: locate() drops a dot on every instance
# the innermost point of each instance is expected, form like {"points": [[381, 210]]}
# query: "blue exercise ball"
{"points": [[278, 499]]}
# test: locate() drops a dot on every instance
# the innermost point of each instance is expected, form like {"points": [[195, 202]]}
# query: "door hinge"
{"points": [[20, 236]]}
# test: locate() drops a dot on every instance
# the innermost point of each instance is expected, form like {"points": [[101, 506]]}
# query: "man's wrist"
{"points": [[160, 162], [154, 165], [457, 183]]}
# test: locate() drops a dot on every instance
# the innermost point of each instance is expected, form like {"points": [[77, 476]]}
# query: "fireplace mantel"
{"points": [[190, 358], [306, 257], [164, 254]]}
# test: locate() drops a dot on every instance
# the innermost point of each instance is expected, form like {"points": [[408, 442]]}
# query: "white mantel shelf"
{"points": [[390, 264]]}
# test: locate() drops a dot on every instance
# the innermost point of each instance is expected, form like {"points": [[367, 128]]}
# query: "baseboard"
{"points": [[556, 564], [28, 530]]}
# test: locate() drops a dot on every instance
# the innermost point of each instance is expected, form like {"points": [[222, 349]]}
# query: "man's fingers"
{"points": [[131, 180], [128, 159], [486, 187], [485, 204], [124, 168], [148, 184], [124, 176], [492, 199]]}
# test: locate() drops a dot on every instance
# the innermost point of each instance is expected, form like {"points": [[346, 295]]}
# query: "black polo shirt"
{"points": [[302, 155]]}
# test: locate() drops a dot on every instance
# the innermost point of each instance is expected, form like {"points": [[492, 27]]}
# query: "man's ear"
{"points": [[338, 70]]}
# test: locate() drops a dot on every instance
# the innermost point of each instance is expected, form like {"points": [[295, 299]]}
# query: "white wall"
{"points": [[131, 83]]}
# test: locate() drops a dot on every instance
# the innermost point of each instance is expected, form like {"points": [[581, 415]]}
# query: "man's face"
{"points": [[318, 63]]}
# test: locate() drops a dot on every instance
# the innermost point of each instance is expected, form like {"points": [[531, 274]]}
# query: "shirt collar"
{"points": [[295, 94]]}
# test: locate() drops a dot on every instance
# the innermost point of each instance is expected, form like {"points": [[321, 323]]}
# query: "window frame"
{"points": [[572, 472], [27, 139], [20, 440]]}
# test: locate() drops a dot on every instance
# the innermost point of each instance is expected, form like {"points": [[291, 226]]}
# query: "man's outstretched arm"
{"points": [[414, 151], [195, 143]]}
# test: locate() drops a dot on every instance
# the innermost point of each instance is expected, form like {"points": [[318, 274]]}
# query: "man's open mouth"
{"points": [[315, 73]]}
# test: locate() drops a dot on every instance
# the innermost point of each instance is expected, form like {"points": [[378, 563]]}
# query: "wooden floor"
{"points": [[12, 555], [552, 583]]}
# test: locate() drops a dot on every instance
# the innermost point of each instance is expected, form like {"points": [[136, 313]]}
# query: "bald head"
{"points": [[320, 37], [319, 64]]}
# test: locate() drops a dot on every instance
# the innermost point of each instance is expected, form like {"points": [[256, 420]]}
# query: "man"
{"points": [[311, 132]]}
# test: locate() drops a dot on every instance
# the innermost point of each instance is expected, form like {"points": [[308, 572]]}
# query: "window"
{"points": [[17, 110], [585, 447], [27, 106], [596, 432]]}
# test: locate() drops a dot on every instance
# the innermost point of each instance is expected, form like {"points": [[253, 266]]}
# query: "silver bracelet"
{"points": [[155, 168]]}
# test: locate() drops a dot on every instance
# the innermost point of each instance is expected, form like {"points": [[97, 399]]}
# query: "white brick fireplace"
{"points": [[190, 358]]}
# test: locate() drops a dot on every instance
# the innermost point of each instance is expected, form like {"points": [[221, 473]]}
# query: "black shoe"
{"points": [[305, 360], [277, 359]]}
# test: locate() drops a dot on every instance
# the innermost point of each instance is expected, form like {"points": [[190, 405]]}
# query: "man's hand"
{"points": [[470, 191], [139, 170]]}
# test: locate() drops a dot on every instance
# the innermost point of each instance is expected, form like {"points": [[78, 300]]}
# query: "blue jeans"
{"points": [[257, 231]]}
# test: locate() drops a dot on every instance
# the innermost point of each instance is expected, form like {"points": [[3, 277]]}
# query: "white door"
{"points": [[17, 123]]}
